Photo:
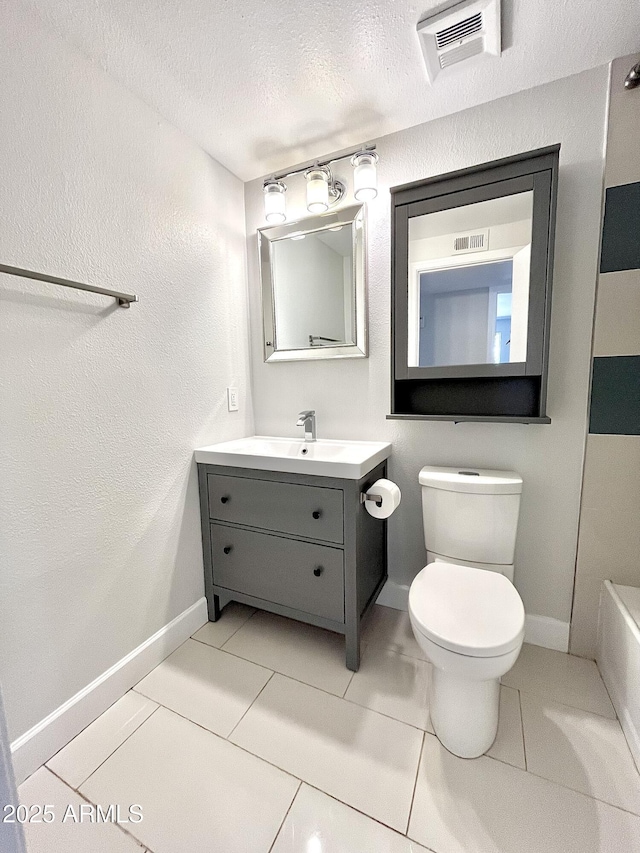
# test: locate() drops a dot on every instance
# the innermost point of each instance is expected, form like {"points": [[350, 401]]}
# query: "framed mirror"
{"points": [[468, 284], [313, 287], [472, 269]]}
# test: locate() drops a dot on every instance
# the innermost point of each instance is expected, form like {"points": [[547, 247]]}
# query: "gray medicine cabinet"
{"points": [[472, 263]]}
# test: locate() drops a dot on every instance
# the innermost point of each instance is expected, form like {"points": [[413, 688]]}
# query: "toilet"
{"points": [[465, 612]]}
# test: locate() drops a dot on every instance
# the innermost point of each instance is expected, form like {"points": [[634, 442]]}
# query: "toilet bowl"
{"points": [[470, 624], [467, 616]]}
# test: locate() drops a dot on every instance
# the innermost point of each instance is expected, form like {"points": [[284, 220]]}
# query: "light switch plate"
{"points": [[232, 399]]}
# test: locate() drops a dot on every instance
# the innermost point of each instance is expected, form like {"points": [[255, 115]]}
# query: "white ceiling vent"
{"points": [[462, 32], [471, 241]]}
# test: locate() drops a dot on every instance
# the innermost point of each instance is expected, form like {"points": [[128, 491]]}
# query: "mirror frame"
{"points": [[413, 387], [311, 224]]}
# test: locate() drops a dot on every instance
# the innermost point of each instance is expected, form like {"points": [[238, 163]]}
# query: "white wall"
{"points": [[352, 397], [101, 407]]}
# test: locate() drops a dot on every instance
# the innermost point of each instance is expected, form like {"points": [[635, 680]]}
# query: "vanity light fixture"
{"points": [[317, 190], [323, 190], [633, 77], [274, 201], [365, 182]]}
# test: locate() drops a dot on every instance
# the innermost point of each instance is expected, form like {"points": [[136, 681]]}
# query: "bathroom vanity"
{"points": [[285, 529]]}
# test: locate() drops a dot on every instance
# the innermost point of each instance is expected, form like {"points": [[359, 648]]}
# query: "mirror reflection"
{"points": [[313, 287], [468, 283], [313, 291]]}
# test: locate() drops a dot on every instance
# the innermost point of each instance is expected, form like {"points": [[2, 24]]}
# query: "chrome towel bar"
{"points": [[123, 299]]}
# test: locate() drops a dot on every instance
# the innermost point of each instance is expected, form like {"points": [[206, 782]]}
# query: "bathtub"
{"points": [[618, 656]]}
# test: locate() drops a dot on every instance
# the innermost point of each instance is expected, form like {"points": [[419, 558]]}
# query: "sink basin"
{"points": [[348, 460]]}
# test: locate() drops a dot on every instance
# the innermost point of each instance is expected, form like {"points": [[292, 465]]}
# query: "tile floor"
{"points": [[252, 737]]}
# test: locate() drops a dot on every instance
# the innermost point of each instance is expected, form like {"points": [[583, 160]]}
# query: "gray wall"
{"points": [[352, 397]]}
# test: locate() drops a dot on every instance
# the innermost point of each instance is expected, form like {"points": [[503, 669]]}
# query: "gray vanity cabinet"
{"points": [[298, 545]]}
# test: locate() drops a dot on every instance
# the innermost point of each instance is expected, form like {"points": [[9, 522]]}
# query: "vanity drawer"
{"points": [[296, 574], [310, 511]]}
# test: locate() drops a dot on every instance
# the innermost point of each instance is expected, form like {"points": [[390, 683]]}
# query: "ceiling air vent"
{"points": [[462, 29], [473, 241], [460, 33]]}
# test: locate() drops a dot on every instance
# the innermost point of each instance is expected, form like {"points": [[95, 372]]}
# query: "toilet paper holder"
{"points": [[368, 496]]}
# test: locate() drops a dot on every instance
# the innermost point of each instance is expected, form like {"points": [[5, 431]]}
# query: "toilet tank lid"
{"points": [[481, 481]]}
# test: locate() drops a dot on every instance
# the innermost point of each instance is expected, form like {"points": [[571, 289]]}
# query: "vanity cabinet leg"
{"points": [[352, 642], [213, 606]]}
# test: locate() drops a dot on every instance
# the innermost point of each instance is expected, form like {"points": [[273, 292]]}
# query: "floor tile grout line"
{"points": [[204, 643], [286, 815], [548, 698], [415, 785], [231, 743], [343, 696], [111, 754], [360, 812], [255, 699], [239, 628], [77, 791], [582, 794], [46, 763], [604, 683], [313, 686], [524, 740], [390, 648]]}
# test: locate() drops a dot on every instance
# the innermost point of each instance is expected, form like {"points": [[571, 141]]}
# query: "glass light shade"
{"points": [[274, 202], [365, 182], [317, 191]]}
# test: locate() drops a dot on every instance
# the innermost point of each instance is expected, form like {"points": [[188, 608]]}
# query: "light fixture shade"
{"points": [[274, 202], [365, 181], [317, 190]]}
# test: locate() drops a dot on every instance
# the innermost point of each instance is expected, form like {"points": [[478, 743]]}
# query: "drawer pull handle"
{"points": [[224, 499], [227, 549], [318, 571], [316, 513]]}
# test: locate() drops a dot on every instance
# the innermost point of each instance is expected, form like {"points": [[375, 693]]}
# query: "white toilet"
{"points": [[465, 612]]}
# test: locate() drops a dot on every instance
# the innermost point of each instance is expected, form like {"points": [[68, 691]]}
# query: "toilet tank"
{"points": [[470, 514]]}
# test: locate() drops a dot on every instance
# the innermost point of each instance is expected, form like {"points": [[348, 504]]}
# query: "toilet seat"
{"points": [[467, 610]]}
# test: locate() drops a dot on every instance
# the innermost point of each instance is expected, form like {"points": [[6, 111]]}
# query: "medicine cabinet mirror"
{"points": [[313, 287], [472, 267]]}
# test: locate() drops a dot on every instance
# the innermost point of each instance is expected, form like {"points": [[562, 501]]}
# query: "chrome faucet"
{"points": [[307, 420]]}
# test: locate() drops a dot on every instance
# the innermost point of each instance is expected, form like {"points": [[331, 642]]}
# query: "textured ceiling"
{"points": [[264, 84]]}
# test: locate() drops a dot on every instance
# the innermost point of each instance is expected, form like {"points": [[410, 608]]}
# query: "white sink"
{"points": [[349, 460]]}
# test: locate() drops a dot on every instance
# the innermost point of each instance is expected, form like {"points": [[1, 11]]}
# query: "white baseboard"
{"points": [[539, 630], [547, 632], [47, 737], [394, 595]]}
